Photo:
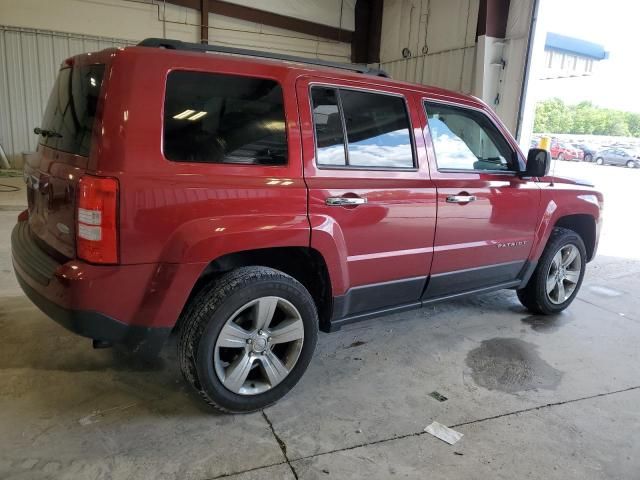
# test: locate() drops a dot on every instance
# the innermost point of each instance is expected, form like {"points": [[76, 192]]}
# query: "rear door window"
{"points": [[327, 118], [71, 111], [216, 118], [376, 126], [377, 130]]}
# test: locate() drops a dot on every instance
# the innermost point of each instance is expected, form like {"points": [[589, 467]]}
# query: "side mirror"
{"points": [[538, 163]]}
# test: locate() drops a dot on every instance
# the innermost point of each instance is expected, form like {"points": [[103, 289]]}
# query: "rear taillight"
{"points": [[97, 219]]}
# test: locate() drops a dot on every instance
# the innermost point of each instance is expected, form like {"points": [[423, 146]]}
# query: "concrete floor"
{"points": [[534, 397]]}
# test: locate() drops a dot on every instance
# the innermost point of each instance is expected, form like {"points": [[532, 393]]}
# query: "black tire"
{"points": [[588, 157], [561, 156], [600, 161], [631, 164], [206, 315], [534, 295]]}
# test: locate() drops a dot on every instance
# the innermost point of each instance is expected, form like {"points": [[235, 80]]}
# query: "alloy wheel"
{"points": [[259, 345], [564, 274]]}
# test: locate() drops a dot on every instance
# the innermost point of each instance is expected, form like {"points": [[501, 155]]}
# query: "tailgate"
{"points": [[66, 134], [52, 179]]}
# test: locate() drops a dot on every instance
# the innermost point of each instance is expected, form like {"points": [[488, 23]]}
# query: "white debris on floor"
{"points": [[444, 433]]}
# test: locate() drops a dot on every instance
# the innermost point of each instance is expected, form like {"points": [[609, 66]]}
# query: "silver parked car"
{"points": [[618, 156]]}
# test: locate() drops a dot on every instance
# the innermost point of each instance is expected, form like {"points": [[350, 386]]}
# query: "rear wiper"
{"points": [[46, 133]]}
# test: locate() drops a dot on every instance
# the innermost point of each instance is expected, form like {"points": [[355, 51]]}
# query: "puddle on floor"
{"points": [[545, 323], [511, 365]]}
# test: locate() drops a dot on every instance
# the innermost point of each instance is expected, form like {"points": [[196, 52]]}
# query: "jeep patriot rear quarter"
{"points": [[249, 202]]}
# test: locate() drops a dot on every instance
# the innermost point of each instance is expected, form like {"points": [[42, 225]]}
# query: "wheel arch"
{"points": [[585, 226], [305, 264]]}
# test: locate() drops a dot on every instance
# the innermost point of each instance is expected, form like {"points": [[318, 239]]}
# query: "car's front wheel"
{"points": [[246, 340], [631, 164], [600, 161], [588, 157], [558, 275], [561, 156]]}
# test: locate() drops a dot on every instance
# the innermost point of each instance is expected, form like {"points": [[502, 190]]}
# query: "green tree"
{"points": [[554, 116], [633, 121]]}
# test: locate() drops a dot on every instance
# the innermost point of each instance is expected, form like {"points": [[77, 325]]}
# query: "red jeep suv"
{"points": [[248, 200], [563, 151]]}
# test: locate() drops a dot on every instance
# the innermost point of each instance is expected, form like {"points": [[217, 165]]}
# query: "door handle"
{"points": [[461, 198], [342, 201]]}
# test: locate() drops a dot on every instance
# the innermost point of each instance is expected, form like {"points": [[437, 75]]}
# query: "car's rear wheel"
{"points": [[631, 164], [600, 161], [247, 339], [561, 156], [588, 157], [558, 275]]}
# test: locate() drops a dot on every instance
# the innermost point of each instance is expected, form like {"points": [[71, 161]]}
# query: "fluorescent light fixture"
{"points": [[197, 116], [184, 114]]}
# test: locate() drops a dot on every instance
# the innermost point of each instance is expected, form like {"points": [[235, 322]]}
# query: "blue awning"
{"points": [[575, 46]]}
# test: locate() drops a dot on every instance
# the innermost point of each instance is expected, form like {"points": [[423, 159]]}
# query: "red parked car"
{"points": [[248, 202], [563, 151]]}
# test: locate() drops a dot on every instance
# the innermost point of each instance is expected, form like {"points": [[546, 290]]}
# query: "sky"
{"points": [[612, 23]]}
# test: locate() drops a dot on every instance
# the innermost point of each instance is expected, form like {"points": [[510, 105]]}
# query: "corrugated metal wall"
{"points": [[452, 69], [440, 36], [29, 61], [255, 36]]}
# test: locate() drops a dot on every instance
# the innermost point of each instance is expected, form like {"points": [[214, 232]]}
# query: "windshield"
{"points": [[70, 114]]}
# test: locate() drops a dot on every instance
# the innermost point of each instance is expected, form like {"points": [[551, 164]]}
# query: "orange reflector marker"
{"points": [[97, 219]]}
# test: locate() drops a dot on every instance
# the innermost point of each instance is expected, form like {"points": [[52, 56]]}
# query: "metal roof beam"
{"points": [[265, 17]]}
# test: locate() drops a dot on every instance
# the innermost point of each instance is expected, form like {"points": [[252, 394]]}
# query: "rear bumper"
{"points": [[98, 326], [135, 305]]}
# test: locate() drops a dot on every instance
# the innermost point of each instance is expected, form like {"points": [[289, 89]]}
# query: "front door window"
{"points": [[465, 139]]}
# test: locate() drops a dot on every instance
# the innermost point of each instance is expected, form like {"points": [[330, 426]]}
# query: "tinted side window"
{"points": [[377, 130], [465, 139], [218, 118], [376, 125], [328, 126]]}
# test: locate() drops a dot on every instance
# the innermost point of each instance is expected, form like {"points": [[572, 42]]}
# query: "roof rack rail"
{"points": [[199, 47]]}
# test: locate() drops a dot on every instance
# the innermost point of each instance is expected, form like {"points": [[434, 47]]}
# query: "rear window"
{"points": [[376, 126], [215, 118], [71, 111]]}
